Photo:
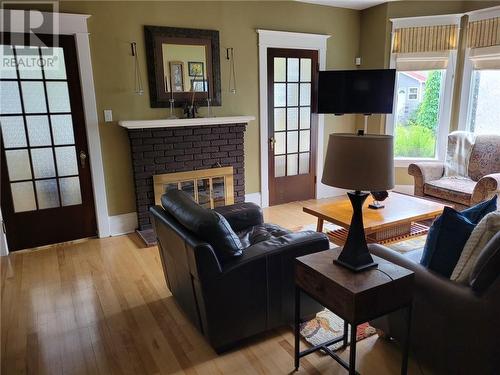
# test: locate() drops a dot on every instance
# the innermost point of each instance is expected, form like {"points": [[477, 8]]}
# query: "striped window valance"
{"points": [[484, 33], [425, 39]]}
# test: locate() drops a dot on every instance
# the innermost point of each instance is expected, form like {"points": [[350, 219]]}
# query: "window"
{"points": [[417, 120], [484, 108], [413, 93]]}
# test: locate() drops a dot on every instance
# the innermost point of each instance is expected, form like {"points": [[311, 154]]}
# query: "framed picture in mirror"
{"points": [[176, 76], [182, 64], [196, 69]]}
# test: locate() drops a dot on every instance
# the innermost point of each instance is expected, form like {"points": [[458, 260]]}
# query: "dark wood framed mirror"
{"points": [[182, 63]]}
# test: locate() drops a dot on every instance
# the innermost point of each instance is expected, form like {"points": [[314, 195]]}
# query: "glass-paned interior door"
{"points": [[38, 134], [291, 127], [45, 166]]}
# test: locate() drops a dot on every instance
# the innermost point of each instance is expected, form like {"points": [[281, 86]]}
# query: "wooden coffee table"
{"points": [[401, 218]]}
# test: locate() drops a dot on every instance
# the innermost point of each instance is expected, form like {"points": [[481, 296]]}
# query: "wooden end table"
{"points": [[398, 220], [355, 297]]}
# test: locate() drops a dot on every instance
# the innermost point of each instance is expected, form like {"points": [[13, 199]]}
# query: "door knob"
{"points": [[83, 158], [272, 142]]}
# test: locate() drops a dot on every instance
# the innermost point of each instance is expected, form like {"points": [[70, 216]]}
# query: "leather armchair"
{"points": [[454, 327], [232, 299]]}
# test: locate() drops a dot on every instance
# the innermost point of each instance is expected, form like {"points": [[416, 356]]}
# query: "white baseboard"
{"points": [[254, 198], [406, 189], [123, 224]]}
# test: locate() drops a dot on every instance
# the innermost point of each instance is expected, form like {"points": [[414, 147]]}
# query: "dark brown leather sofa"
{"points": [[229, 298], [455, 327]]}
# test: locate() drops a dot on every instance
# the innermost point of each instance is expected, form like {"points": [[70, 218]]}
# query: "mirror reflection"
{"points": [[185, 67]]}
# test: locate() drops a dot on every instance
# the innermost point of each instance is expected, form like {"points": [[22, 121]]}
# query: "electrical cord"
{"points": [[385, 273]]}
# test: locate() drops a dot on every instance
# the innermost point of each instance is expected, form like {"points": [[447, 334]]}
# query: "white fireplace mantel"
{"points": [[184, 122]]}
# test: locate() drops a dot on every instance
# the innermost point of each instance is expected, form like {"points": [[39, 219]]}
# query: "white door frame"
{"points": [[76, 24], [285, 39]]}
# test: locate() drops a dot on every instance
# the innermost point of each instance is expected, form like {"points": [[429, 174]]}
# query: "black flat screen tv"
{"points": [[356, 91]]}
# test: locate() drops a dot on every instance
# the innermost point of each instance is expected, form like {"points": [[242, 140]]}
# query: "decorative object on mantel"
{"points": [[232, 72], [185, 122], [138, 88], [191, 109], [172, 113]]}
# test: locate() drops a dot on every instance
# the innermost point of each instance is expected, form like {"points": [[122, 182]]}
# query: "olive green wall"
{"points": [[113, 25], [375, 44]]}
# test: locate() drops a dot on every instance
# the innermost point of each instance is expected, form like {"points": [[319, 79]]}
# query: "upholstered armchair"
{"points": [[481, 183]]}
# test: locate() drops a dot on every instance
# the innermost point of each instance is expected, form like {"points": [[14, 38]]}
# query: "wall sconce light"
{"points": [[138, 88]]}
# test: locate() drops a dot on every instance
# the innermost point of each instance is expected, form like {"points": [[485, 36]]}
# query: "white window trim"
{"points": [[76, 24], [445, 109], [482, 14], [444, 114], [446, 19], [465, 94], [486, 53], [285, 39]]}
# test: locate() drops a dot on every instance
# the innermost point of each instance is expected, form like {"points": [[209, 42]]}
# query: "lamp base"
{"points": [[355, 268], [355, 255]]}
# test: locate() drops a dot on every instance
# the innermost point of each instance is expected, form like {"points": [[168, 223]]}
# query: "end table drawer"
{"points": [[321, 289]]}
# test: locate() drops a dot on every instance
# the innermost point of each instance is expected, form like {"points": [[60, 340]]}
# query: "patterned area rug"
{"points": [[328, 326]]}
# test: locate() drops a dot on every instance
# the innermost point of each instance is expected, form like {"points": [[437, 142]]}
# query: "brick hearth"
{"points": [[168, 150]]}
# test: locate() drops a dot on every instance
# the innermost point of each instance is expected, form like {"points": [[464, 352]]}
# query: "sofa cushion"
{"points": [[445, 241], [259, 233], [487, 267], [454, 189], [481, 235], [485, 156], [208, 225], [474, 214]]}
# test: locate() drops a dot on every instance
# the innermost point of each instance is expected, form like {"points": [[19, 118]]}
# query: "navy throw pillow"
{"points": [[445, 241], [474, 214], [480, 210]]}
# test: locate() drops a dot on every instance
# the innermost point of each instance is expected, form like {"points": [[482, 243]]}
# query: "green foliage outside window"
{"points": [[417, 138], [414, 141]]}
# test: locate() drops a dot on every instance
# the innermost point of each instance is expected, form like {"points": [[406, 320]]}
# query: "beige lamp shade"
{"points": [[359, 162]]}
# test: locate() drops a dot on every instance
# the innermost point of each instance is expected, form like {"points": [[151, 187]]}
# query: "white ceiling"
{"points": [[351, 4]]}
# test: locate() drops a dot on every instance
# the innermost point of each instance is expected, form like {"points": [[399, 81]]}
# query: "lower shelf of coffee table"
{"points": [[390, 235]]}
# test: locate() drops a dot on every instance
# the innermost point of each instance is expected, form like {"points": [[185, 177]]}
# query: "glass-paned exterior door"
{"points": [[292, 131], [45, 167]]}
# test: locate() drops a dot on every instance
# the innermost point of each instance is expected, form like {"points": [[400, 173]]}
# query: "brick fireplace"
{"points": [[159, 150]]}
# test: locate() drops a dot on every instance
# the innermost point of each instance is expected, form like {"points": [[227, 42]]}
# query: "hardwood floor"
{"points": [[101, 306]]}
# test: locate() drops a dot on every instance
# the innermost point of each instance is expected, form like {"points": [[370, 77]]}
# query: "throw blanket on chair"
{"points": [[457, 155]]}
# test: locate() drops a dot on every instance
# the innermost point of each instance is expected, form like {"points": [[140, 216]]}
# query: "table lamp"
{"points": [[361, 163]]}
